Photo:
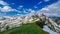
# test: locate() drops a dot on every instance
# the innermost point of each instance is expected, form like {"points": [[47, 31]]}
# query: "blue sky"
{"points": [[16, 7]]}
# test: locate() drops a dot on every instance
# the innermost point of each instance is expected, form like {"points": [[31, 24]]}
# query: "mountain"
{"points": [[16, 21]]}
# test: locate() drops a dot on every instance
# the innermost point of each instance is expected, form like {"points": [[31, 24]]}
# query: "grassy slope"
{"points": [[25, 29]]}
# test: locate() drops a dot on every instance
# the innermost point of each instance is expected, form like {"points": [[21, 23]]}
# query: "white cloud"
{"points": [[31, 10], [35, 7], [52, 10], [20, 6], [13, 3], [46, 0], [3, 3], [45, 9], [37, 4], [18, 14], [40, 2], [6, 7], [25, 11]]}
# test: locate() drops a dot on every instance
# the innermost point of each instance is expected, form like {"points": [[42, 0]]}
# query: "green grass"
{"points": [[25, 29]]}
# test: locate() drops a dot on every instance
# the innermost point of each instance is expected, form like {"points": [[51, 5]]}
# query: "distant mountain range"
{"points": [[16, 21]]}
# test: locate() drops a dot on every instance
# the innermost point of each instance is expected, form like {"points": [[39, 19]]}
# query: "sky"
{"points": [[18, 7], [52, 10]]}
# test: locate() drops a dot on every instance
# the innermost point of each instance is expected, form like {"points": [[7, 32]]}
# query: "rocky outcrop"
{"points": [[49, 22], [42, 17], [53, 25]]}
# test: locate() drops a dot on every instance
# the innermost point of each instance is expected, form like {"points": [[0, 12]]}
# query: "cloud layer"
{"points": [[51, 10], [6, 7]]}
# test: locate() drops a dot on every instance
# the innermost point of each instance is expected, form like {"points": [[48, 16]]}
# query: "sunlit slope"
{"points": [[26, 29]]}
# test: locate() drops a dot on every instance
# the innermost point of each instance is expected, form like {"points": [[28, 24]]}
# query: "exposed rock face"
{"points": [[9, 24], [58, 22], [2, 18], [42, 17], [12, 22], [52, 25]]}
